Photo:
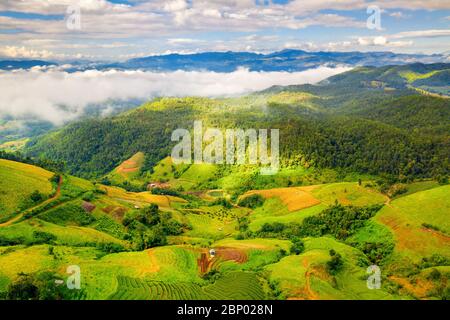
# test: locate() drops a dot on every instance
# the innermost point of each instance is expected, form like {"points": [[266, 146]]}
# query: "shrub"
{"points": [[70, 213], [88, 196], [376, 252], [39, 286], [253, 201], [297, 246], [434, 275], [110, 247], [11, 242], [335, 264], [36, 196], [154, 238], [222, 202], [40, 237]]}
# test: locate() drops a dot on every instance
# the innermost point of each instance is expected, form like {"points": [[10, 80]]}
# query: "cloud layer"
{"points": [[143, 27], [58, 96]]}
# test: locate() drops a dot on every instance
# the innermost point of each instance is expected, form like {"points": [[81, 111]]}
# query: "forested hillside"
{"points": [[383, 127]]}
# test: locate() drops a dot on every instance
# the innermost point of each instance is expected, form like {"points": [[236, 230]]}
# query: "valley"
{"points": [[363, 180]]}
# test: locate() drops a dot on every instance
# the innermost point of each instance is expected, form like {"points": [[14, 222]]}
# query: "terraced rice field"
{"points": [[203, 225], [138, 289], [305, 276], [294, 198], [234, 285], [69, 235], [142, 198], [131, 166], [273, 210], [17, 182], [406, 217], [347, 193]]}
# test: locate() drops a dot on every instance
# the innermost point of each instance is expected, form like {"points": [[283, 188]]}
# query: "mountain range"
{"points": [[287, 60]]}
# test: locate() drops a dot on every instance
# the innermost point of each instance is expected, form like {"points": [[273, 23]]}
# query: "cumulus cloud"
{"points": [[21, 52], [382, 41], [58, 96]]}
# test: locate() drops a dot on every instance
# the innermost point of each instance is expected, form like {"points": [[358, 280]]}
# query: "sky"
{"points": [[123, 29]]}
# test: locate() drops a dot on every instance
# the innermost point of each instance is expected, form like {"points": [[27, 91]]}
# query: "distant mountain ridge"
{"points": [[287, 60], [24, 64]]}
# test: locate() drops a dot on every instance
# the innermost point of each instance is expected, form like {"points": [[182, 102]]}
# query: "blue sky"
{"points": [[122, 29]]}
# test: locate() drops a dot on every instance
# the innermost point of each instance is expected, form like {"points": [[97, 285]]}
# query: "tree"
{"points": [[155, 237], [253, 201], [40, 286], [297, 246], [150, 215], [335, 264], [36, 196], [23, 289]]}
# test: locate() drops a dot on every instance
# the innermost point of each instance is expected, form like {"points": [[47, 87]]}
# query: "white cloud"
{"points": [[183, 41], [162, 24], [423, 34], [16, 52], [382, 41], [58, 96], [398, 15]]}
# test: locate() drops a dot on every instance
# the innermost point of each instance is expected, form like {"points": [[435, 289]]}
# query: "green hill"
{"points": [[18, 181], [352, 121]]}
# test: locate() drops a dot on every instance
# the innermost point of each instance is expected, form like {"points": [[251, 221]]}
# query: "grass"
{"points": [[166, 170], [138, 289], [287, 205], [306, 277], [196, 176], [203, 225], [26, 260], [70, 213], [256, 244], [169, 263], [418, 186], [273, 210], [236, 286], [405, 217], [232, 286], [413, 76], [292, 98], [347, 193], [69, 235], [141, 199], [129, 170], [372, 232], [17, 182], [99, 276], [244, 266], [13, 146], [294, 199]]}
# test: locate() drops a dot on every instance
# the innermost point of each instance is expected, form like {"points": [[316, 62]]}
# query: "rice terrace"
{"points": [[203, 151]]}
